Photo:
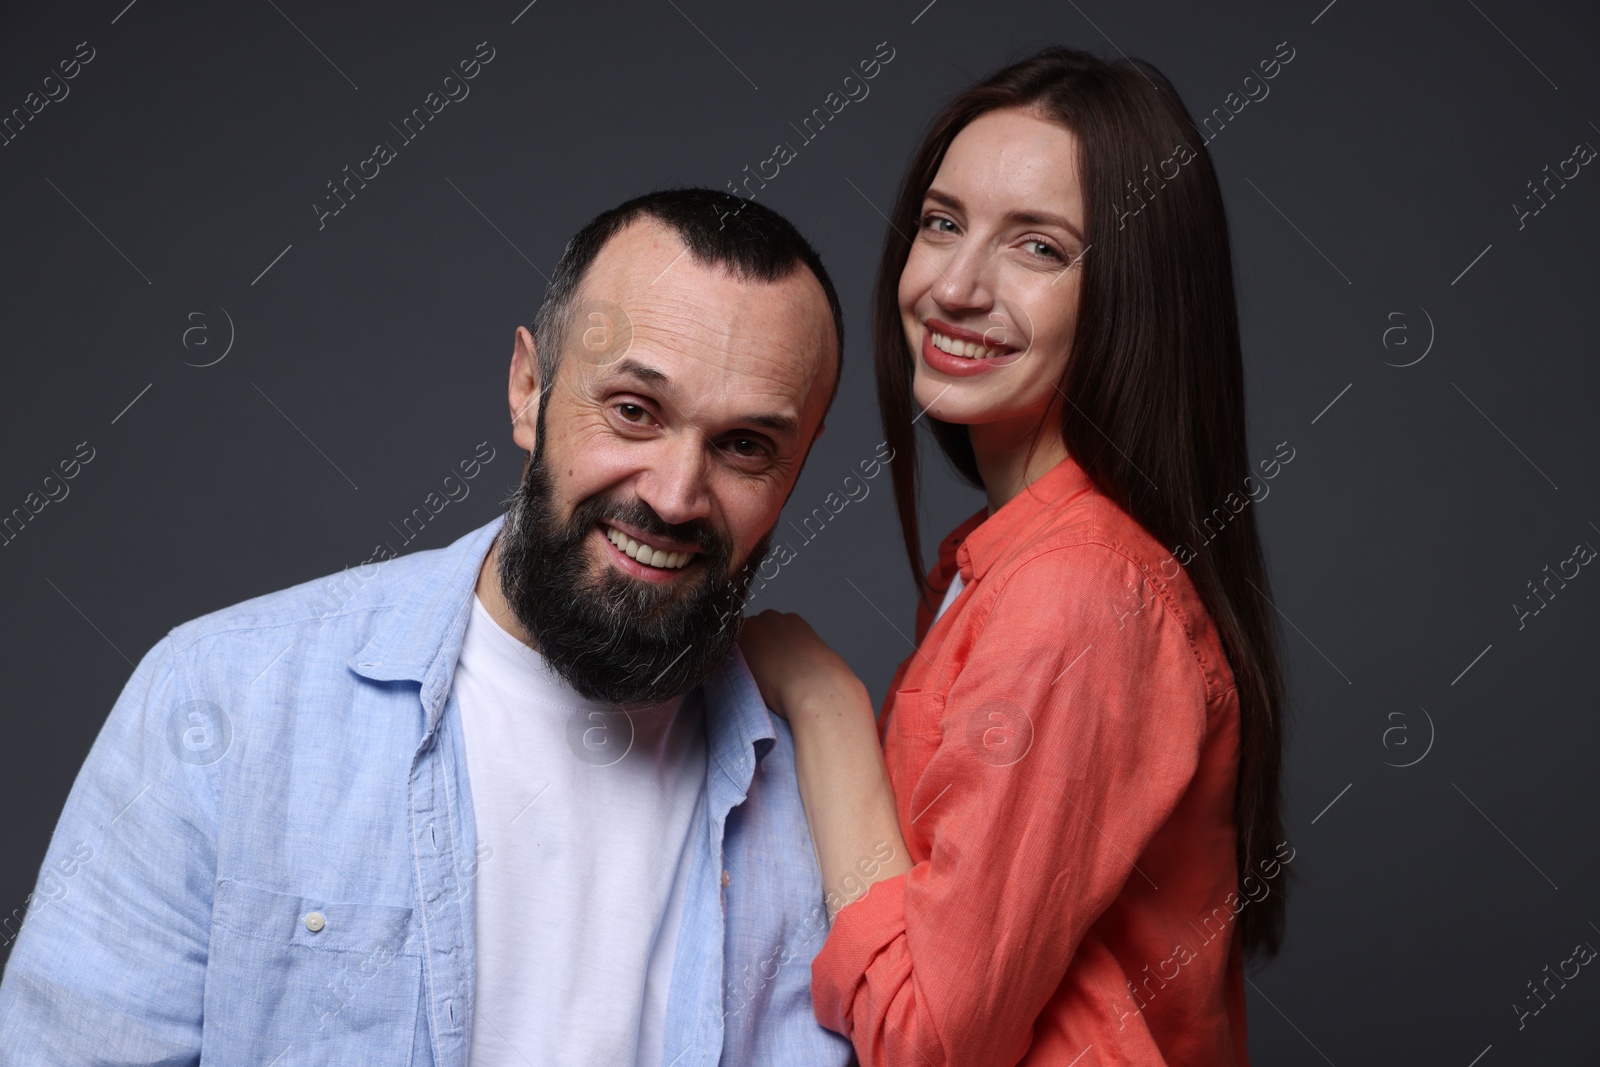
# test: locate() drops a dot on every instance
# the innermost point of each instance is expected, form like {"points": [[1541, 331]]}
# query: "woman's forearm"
{"points": [[845, 788]]}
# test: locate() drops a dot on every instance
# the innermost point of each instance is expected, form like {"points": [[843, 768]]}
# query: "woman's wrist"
{"points": [[847, 794]]}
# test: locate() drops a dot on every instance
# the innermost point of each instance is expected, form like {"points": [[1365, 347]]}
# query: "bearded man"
{"points": [[516, 800]]}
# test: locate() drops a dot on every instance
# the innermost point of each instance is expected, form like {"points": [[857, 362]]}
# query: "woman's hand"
{"points": [[843, 782], [795, 669]]}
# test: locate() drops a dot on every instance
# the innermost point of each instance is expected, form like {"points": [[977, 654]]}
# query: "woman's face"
{"points": [[989, 295]]}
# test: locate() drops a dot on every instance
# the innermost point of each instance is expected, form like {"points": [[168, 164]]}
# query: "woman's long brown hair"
{"points": [[1155, 378]]}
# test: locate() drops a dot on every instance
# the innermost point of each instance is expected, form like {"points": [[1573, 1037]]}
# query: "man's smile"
{"points": [[646, 555]]}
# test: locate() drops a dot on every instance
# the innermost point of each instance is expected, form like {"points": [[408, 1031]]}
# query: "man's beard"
{"points": [[614, 638]]}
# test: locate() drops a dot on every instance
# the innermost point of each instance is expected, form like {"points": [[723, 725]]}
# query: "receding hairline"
{"points": [[749, 240], [686, 251]]}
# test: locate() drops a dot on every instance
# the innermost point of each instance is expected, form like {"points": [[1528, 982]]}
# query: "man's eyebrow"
{"points": [[1027, 218], [783, 425], [632, 368]]}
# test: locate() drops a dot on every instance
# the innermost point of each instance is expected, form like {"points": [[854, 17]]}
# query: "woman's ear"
{"points": [[523, 390]]}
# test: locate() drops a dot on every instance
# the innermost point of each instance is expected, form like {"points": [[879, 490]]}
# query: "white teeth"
{"points": [[965, 349], [651, 557]]}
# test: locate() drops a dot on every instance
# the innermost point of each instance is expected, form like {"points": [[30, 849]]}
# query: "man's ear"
{"points": [[823, 425], [523, 390]]}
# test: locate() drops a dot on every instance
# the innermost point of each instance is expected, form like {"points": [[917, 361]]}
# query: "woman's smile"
{"points": [[960, 353]]}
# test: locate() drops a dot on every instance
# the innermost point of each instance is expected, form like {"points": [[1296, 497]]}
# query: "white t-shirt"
{"points": [[589, 834]]}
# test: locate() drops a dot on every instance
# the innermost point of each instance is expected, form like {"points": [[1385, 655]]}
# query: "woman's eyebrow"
{"points": [[1027, 218], [1044, 218]]}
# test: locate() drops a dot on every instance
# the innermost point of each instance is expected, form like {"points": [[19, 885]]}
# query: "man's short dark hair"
{"points": [[748, 239]]}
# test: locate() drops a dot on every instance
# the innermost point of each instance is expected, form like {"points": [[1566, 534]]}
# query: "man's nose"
{"points": [[674, 484]]}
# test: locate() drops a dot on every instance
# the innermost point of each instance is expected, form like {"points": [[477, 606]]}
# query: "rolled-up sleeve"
{"points": [[1067, 739], [108, 966]]}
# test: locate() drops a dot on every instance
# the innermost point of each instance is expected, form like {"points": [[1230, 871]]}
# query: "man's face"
{"points": [[684, 405]]}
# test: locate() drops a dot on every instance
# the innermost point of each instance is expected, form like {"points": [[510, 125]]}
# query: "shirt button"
{"points": [[315, 921], [724, 879]]}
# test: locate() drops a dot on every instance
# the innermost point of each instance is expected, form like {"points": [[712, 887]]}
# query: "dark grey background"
{"points": [[373, 353]]}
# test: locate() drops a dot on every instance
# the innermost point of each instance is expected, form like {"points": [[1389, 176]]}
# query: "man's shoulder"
{"points": [[350, 590], [338, 608], [739, 718]]}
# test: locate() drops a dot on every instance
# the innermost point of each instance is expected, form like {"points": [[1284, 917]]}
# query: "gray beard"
{"points": [[614, 638]]}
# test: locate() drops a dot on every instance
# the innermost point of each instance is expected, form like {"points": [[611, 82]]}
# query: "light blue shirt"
{"points": [[269, 854]]}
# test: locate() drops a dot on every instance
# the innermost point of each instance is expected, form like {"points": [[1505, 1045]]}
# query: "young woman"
{"points": [[1060, 840]]}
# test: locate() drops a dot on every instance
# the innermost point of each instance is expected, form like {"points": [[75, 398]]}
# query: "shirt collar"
{"points": [[977, 543], [739, 730], [420, 637]]}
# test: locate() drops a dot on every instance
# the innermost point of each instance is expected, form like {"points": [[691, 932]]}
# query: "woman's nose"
{"points": [[964, 283]]}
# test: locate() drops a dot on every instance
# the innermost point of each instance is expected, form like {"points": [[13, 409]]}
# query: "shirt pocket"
{"points": [[312, 980], [918, 730]]}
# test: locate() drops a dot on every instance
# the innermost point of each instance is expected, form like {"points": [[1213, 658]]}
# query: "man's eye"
{"points": [[632, 412], [746, 448]]}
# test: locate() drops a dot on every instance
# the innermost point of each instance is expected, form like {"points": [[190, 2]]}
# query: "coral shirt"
{"points": [[1063, 746]]}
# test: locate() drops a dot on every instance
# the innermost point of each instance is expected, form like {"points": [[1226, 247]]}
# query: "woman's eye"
{"points": [[1041, 248], [938, 224]]}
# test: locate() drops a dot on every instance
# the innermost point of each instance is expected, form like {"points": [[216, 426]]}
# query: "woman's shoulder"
{"points": [[1091, 548]]}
